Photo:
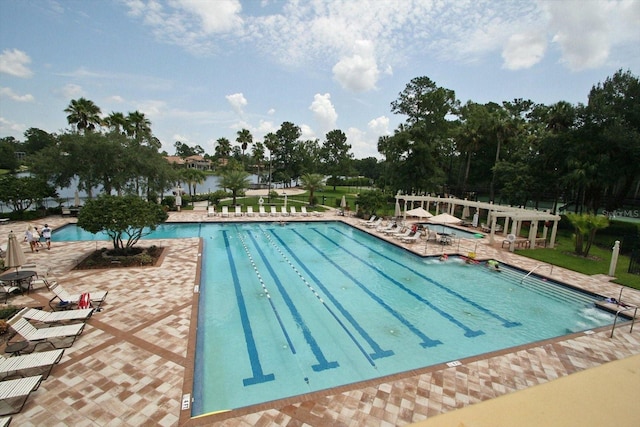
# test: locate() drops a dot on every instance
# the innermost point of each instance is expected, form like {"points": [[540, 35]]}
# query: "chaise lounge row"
{"points": [[273, 211], [58, 329]]}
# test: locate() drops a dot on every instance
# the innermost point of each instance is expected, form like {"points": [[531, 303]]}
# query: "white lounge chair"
{"points": [[374, 224], [303, 211], [283, 211], [250, 211], [390, 226], [225, 211], [69, 300], [293, 211], [407, 232], [262, 212], [42, 362], [14, 393], [238, 210], [371, 220], [211, 211], [57, 316], [274, 211], [411, 239], [45, 335]]}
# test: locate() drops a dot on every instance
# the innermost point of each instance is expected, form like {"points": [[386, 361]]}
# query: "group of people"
{"points": [[37, 239]]}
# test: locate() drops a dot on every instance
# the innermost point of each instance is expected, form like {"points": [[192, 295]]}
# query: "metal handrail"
{"points": [[633, 320], [535, 268]]}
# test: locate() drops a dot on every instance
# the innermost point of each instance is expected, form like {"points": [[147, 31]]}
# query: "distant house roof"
{"points": [[175, 160]]}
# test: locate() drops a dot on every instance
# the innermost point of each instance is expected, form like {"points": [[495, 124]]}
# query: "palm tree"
{"points": [[117, 122], [586, 225], [236, 181], [84, 114], [192, 177], [244, 139], [223, 148], [312, 182], [139, 127]]}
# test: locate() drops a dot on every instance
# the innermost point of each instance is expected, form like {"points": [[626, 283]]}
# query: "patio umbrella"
{"points": [[397, 212], [76, 199], [419, 212], [343, 203], [15, 256], [445, 218]]}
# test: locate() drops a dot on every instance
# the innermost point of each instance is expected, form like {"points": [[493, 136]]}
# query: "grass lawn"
{"points": [[598, 261]]}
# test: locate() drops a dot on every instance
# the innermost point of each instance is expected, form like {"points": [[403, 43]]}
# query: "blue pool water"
{"points": [[287, 310], [455, 232]]}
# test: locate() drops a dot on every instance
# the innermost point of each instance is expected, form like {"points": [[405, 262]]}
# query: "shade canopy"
{"points": [[445, 218], [15, 255], [419, 212]]}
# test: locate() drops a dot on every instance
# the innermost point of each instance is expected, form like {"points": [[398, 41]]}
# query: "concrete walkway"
{"points": [[133, 364]]}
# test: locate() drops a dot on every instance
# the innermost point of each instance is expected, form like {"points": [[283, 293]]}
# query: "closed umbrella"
{"points": [[76, 199], [397, 212], [15, 256], [343, 203]]}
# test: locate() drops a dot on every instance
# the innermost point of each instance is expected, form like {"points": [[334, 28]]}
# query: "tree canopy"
{"points": [[125, 219]]}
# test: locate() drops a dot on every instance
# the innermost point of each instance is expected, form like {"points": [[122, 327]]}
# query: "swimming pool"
{"points": [[287, 310], [455, 232]]}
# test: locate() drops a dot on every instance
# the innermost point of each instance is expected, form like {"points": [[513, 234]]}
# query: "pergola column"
{"points": [[492, 234], [533, 233], [554, 231], [514, 231]]}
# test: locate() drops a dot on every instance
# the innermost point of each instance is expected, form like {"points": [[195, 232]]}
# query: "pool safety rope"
{"points": [[304, 280], [266, 292]]}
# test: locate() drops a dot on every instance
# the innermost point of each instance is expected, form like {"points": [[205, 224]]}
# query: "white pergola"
{"points": [[513, 216]]}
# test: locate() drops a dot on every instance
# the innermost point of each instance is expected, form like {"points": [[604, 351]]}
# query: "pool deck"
{"points": [[133, 363]]}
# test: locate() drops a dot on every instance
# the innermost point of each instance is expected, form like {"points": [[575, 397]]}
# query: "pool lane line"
{"points": [[426, 341], [254, 358], [468, 332], [379, 352], [323, 363], [505, 322], [267, 294]]}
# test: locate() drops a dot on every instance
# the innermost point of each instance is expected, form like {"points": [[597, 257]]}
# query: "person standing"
{"points": [[46, 234], [28, 237]]}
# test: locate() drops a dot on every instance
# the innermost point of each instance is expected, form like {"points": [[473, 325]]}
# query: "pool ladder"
{"points": [[535, 268], [622, 309]]}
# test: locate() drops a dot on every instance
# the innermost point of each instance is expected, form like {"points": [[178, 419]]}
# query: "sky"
{"points": [[204, 69]]}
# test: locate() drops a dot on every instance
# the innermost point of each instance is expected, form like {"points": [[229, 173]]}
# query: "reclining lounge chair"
{"points": [[71, 300], [14, 393], [57, 316], [45, 335], [42, 362]]}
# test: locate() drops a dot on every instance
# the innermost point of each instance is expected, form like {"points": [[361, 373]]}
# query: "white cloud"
{"points": [[324, 112], [69, 91], [306, 132], [379, 126], [15, 62], [116, 99], [181, 138], [362, 144], [271, 111], [9, 93], [10, 127], [524, 50], [237, 102], [358, 72], [215, 17]]}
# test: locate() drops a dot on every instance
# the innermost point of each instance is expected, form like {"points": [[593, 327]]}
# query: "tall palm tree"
{"points": [[312, 182], [139, 127], [83, 114], [192, 177], [236, 181], [244, 139], [223, 148], [117, 122]]}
